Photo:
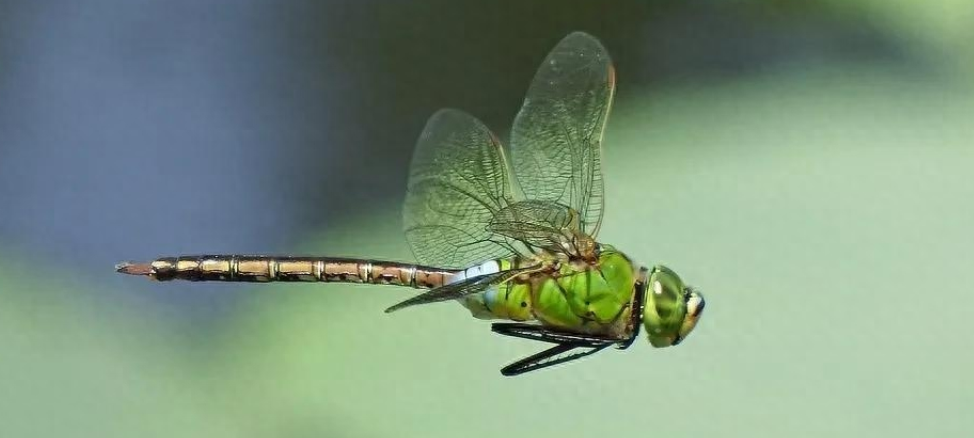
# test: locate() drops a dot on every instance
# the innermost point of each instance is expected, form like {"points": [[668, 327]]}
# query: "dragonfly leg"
{"points": [[541, 333], [560, 353], [564, 351]]}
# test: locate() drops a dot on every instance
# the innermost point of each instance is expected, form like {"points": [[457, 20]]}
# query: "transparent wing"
{"points": [[539, 224], [557, 136], [458, 181]]}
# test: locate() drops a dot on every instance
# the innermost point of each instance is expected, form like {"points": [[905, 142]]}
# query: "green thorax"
{"points": [[577, 296]]}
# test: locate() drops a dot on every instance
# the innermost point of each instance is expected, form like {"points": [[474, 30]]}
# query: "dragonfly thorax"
{"points": [[572, 294]]}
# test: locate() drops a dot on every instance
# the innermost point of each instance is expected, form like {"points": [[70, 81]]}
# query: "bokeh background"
{"points": [[808, 165]]}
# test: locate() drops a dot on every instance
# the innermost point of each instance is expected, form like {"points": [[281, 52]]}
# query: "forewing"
{"points": [[557, 136], [458, 180]]}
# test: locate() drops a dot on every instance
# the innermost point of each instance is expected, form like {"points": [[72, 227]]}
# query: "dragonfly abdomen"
{"points": [[251, 268]]}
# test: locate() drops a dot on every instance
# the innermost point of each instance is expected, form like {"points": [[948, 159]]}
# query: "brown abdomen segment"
{"points": [[255, 268]]}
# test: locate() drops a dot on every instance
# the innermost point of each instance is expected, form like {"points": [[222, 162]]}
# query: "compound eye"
{"points": [[667, 289]]}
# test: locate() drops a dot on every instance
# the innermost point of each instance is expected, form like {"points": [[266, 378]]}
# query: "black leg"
{"points": [[567, 342], [552, 356], [537, 332]]}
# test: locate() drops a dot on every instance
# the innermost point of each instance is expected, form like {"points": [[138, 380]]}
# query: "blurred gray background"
{"points": [[806, 164]]}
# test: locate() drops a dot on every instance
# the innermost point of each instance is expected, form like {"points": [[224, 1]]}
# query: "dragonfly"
{"points": [[512, 240]]}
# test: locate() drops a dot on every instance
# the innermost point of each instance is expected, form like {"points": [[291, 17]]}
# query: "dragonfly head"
{"points": [[671, 309]]}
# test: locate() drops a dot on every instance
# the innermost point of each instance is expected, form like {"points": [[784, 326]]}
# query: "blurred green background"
{"points": [[807, 165]]}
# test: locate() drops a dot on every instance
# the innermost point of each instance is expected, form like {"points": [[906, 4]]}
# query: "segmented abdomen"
{"points": [[256, 268]]}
